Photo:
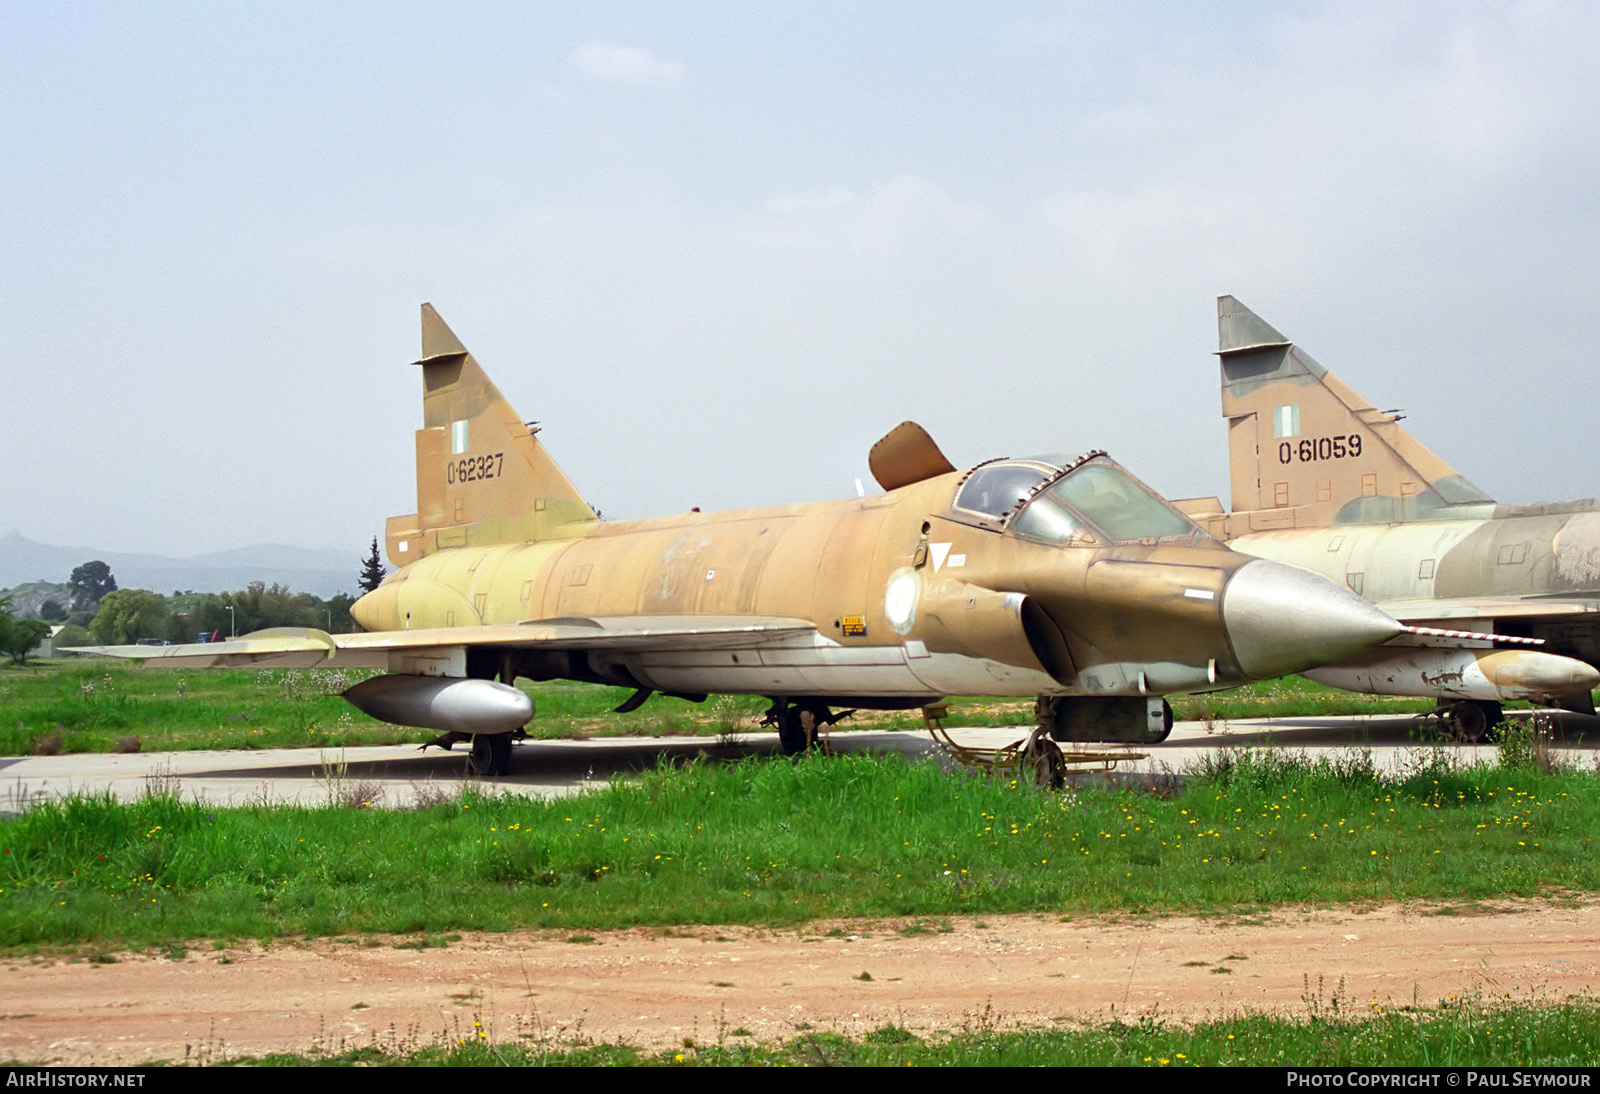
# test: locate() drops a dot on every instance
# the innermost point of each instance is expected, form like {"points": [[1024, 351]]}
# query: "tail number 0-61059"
{"points": [[474, 468], [1316, 449]]}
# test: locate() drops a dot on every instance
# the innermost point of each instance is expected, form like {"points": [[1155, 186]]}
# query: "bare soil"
{"points": [[657, 987]]}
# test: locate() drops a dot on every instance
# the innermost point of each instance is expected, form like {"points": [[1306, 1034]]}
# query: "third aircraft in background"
{"points": [[1325, 481]]}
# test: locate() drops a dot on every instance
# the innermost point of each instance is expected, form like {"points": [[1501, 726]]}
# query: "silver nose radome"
{"points": [[1282, 620]]}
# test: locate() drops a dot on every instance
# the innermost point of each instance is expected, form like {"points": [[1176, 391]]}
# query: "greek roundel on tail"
{"points": [[1323, 480], [1060, 577]]}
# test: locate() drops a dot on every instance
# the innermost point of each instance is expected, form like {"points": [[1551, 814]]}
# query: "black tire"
{"points": [[791, 734], [1045, 762], [491, 755], [798, 727], [1474, 721]]}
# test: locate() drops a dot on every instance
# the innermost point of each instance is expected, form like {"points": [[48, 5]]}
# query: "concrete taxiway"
{"points": [[401, 776]]}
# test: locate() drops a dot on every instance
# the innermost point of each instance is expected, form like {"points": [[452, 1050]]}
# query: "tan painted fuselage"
{"points": [[907, 599]]}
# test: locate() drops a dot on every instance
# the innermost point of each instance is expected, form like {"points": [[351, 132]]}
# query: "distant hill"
{"points": [[26, 599], [321, 573]]}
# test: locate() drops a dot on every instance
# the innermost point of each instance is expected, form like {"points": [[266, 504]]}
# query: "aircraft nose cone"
{"points": [[1283, 620]]}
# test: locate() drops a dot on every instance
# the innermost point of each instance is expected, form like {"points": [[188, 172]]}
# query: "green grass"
{"points": [[101, 706], [104, 706], [77, 705], [774, 842], [1459, 1034], [1291, 697]]}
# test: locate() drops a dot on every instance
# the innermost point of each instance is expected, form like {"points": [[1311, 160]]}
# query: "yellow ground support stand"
{"points": [[1036, 756]]}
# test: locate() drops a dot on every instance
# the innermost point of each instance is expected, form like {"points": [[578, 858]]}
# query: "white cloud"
{"points": [[625, 65], [1326, 153]]}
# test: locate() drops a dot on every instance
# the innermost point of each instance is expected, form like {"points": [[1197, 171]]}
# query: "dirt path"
{"points": [[657, 987]]}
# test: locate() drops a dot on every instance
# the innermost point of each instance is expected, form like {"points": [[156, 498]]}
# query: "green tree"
{"points": [[263, 605], [337, 609], [51, 611], [19, 636], [207, 614], [259, 605], [89, 583], [127, 615], [372, 569]]}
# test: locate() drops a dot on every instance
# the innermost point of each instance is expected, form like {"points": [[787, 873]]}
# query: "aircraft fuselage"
{"points": [[907, 600]]}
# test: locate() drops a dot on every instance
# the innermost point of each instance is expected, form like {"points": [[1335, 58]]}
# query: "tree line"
{"points": [[98, 613]]}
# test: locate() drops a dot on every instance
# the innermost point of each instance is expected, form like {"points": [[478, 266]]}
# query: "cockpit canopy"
{"points": [[1069, 500]]}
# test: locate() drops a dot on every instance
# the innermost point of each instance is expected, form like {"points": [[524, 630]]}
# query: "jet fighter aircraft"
{"points": [[1058, 576], [1325, 481]]}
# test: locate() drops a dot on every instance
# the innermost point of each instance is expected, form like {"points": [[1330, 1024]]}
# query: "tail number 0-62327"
{"points": [[1315, 449], [474, 468]]}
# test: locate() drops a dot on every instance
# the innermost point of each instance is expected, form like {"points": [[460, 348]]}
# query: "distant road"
{"points": [[397, 776]]}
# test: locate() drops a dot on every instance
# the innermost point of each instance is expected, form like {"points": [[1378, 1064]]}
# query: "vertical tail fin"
{"points": [[482, 475], [1305, 450]]}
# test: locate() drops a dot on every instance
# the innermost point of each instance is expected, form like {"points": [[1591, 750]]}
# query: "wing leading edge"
{"points": [[297, 648]]}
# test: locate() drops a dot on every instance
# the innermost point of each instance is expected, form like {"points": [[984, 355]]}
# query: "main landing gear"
{"points": [[801, 723], [1471, 721], [490, 754]]}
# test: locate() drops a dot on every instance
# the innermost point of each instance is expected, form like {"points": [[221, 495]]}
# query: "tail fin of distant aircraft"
{"points": [[482, 475], [1306, 451]]}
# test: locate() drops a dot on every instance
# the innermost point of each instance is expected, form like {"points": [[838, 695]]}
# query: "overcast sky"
{"points": [[718, 249]]}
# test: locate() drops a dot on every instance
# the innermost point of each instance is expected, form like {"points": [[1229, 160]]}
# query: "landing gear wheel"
{"points": [[1044, 760], [491, 754], [1166, 725], [798, 727], [1473, 721], [791, 734]]}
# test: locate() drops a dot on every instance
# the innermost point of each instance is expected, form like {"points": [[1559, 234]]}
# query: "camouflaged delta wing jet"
{"points": [[1325, 481], [1060, 577]]}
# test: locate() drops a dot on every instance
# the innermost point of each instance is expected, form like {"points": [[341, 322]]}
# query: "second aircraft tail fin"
{"points": [[1305, 450]]}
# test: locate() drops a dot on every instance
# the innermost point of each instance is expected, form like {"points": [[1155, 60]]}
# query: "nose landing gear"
{"points": [[1044, 760]]}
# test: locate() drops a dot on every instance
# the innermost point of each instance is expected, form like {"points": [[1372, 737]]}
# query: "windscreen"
{"points": [[1117, 505], [1103, 496]]}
